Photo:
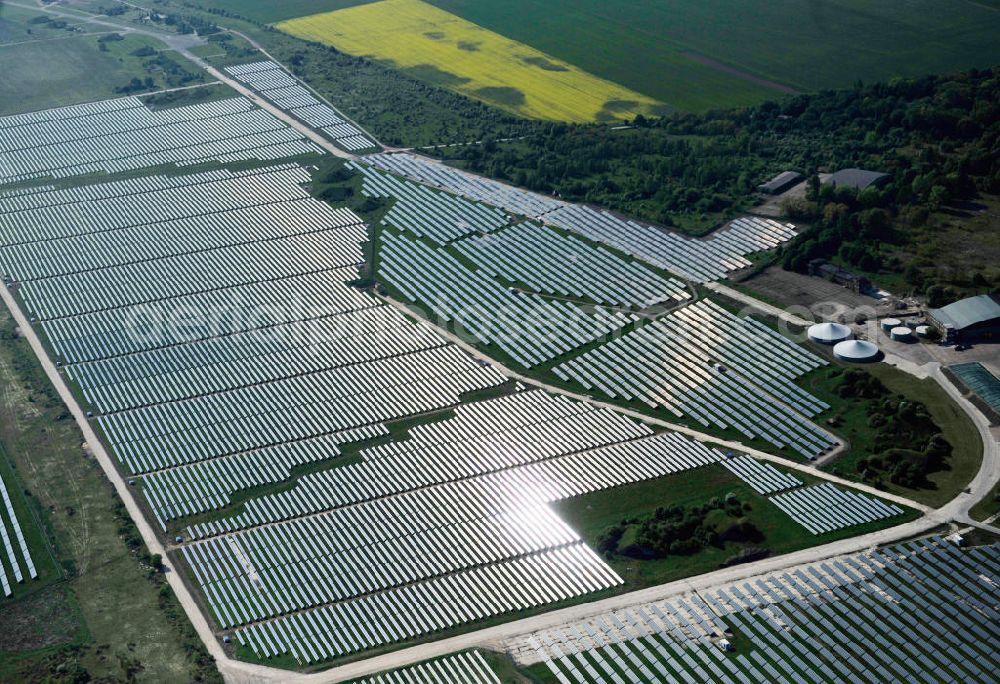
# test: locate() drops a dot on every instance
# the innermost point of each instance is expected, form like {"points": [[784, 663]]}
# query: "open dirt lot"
{"points": [[824, 299]]}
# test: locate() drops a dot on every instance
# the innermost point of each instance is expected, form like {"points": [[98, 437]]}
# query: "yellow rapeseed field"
{"points": [[471, 60]]}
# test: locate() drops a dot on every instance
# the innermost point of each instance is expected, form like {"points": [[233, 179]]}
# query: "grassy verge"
{"points": [[107, 616], [501, 664], [988, 507], [745, 289], [506, 669]]}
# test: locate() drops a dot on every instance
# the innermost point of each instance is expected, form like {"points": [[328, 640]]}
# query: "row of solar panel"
{"points": [[12, 538], [586, 436], [528, 328], [428, 213], [707, 363], [915, 612], [697, 260], [550, 263], [135, 137], [285, 92]]}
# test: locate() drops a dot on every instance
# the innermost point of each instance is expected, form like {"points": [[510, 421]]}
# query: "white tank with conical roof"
{"points": [[855, 351], [829, 333]]}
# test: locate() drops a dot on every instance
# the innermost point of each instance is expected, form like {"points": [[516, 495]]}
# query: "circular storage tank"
{"points": [[855, 351], [923, 330], [889, 323], [901, 334], [829, 333]]}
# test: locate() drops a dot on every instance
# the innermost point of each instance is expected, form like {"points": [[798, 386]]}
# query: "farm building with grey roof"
{"points": [[967, 320], [859, 179]]}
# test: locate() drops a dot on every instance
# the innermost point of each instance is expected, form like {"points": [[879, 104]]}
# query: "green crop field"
{"points": [[692, 53]]}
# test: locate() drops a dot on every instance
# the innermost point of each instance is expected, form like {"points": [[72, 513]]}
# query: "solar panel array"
{"points": [[552, 263], [825, 508], [517, 441], [209, 320], [423, 212], [456, 511], [819, 508], [12, 538], [124, 135], [763, 477], [707, 363], [446, 601], [462, 668], [529, 328], [209, 485], [920, 611], [481, 189], [285, 92], [697, 260]]}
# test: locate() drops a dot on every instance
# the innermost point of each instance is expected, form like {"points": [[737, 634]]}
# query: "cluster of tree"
{"points": [[172, 72], [680, 531], [136, 85], [646, 171], [935, 136], [102, 42], [336, 183], [46, 20], [896, 421], [857, 384]]}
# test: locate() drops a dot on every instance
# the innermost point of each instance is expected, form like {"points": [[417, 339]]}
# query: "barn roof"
{"points": [[968, 312], [858, 179], [780, 181]]}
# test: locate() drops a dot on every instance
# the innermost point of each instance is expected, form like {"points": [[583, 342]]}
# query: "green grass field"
{"points": [[988, 507], [669, 51], [53, 67]]}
